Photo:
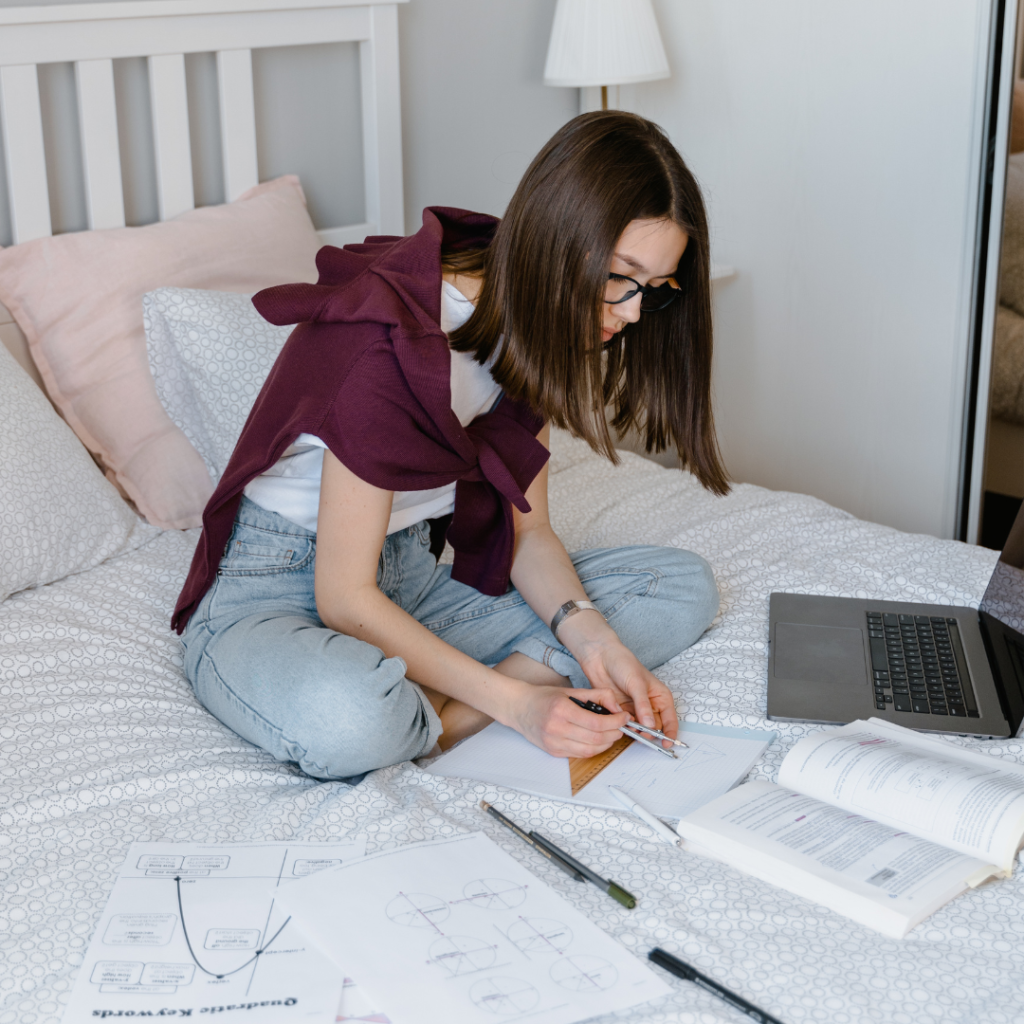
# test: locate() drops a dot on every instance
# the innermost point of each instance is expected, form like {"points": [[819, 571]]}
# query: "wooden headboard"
{"points": [[93, 35]]}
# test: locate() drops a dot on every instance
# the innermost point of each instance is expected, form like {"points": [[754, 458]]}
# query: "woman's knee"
{"points": [[382, 721], [333, 704], [677, 606], [691, 585]]}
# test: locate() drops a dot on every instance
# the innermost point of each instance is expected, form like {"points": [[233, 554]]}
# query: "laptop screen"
{"points": [[1004, 596]]}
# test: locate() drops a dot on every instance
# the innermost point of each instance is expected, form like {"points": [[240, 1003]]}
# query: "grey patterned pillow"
{"points": [[58, 515], [210, 353]]}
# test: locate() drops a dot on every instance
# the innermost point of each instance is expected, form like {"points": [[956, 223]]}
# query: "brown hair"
{"points": [[544, 276]]}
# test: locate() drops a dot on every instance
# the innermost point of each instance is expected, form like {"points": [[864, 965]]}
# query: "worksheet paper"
{"points": [[194, 930], [716, 758], [455, 930]]}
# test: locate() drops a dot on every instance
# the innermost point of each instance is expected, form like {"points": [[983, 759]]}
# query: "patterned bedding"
{"points": [[102, 743]]}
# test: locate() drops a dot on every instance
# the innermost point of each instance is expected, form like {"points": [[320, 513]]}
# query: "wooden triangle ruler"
{"points": [[583, 769]]}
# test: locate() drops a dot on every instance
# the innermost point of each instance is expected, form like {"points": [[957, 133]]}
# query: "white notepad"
{"points": [[716, 759]]}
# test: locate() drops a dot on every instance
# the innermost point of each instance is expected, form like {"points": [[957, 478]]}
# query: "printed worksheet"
{"points": [[193, 929], [456, 930], [715, 759]]}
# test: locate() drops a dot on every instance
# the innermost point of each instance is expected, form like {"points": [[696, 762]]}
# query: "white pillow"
{"points": [[58, 515], [210, 353]]}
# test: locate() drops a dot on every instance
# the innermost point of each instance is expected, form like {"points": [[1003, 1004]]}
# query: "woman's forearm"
{"points": [[544, 574], [369, 615]]}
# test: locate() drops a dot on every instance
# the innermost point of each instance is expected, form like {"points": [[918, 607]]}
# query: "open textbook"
{"points": [[873, 821], [716, 758]]}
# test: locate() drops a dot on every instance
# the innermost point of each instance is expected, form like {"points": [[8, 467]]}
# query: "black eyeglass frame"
{"points": [[645, 290]]}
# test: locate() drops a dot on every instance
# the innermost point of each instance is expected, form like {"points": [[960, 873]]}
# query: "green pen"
{"points": [[539, 847], [628, 900]]}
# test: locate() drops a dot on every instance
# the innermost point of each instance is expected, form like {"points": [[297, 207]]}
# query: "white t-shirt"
{"points": [[291, 487]]}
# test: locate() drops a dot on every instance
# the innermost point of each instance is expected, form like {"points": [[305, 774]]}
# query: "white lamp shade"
{"points": [[604, 42]]}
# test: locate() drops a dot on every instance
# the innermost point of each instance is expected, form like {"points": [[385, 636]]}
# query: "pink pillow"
{"points": [[78, 298]]}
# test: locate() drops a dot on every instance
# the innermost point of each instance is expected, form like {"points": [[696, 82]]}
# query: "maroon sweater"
{"points": [[368, 371]]}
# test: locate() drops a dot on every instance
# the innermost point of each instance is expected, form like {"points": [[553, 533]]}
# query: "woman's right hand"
{"points": [[549, 720]]}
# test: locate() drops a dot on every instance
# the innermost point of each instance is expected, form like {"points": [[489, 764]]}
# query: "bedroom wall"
{"points": [[837, 145]]}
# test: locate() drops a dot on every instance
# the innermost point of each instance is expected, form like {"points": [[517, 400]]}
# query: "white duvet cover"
{"points": [[102, 743]]}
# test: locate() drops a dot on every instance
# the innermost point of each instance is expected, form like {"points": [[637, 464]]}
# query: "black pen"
{"points": [[630, 728], [627, 899], [685, 971], [539, 847]]}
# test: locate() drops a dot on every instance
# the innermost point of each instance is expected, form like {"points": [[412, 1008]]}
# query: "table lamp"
{"points": [[604, 42]]}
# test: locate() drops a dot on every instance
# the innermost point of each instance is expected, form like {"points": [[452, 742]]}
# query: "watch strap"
{"points": [[569, 609]]}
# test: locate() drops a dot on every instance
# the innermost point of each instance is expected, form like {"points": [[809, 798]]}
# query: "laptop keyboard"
{"points": [[918, 665]]}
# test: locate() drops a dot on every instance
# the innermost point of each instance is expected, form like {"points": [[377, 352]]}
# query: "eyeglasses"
{"points": [[622, 289]]}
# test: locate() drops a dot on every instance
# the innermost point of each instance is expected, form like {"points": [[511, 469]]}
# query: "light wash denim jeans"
{"points": [[261, 661]]}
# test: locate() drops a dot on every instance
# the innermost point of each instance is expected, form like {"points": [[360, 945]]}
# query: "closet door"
{"points": [[983, 480]]}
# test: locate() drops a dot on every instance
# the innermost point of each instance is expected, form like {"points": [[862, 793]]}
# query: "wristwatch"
{"points": [[571, 608]]}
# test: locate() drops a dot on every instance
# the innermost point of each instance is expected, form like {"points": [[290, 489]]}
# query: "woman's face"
{"points": [[649, 252]]}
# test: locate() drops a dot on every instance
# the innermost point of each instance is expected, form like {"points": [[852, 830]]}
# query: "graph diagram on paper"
{"points": [[190, 926], [457, 930]]}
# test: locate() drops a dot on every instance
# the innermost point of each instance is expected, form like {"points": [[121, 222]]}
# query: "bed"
{"points": [[102, 742]]}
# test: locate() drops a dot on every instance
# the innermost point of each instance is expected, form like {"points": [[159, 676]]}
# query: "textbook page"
{"points": [[193, 930], [954, 797], [715, 759], [456, 930], [881, 877]]}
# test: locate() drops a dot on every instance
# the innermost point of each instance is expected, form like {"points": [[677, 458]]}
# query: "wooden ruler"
{"points": [[583, 769]]}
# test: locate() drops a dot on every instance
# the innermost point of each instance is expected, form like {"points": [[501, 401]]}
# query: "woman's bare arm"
{"points": [[352, 525], [544, 574]]}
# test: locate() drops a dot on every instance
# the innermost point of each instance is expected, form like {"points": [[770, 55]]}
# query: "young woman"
{"points": [[413, 401]]}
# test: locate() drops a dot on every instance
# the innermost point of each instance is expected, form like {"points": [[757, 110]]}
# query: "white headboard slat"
{"points": [[93, 34], [382, 119], [237, 121], [101, 157], [168, 99], [24, 152]]}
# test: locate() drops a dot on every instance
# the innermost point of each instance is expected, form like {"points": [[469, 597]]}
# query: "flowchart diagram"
{"points": [[188, 927]]}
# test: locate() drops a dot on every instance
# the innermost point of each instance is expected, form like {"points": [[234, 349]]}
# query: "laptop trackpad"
{"points": [[820, 654]]}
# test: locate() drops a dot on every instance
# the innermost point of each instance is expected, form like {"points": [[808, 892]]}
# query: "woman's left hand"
{"points": [[614, 666]]}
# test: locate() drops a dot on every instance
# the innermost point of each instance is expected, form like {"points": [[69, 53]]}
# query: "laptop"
{"points": [[937, 668]]}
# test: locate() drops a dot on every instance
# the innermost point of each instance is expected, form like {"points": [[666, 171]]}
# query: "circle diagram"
{"points": [[417, 910], [583, 973], [494, 893], [462, 954], [540, 935], [504, 995]]}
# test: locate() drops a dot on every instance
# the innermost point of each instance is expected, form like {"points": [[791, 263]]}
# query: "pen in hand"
{"points": [[630, 729]]}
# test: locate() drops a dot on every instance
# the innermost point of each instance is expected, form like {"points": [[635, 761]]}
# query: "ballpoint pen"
{"points": [[630, 728], [568, 864], [682, 970], [644, 815], [551, 855], [627, 899]]}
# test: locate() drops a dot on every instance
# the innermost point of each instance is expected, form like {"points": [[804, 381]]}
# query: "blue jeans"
{"points": [[261, 661]]}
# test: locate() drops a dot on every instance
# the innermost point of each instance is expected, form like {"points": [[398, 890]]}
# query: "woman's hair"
{"points": [[544, 276]]}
